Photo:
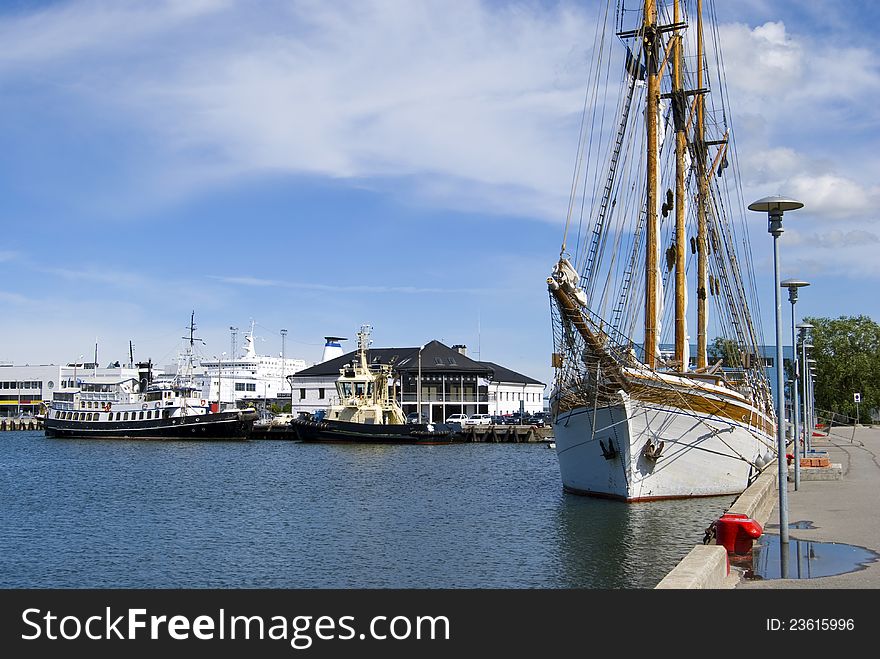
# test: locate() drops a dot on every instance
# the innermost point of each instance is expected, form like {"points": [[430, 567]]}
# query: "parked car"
{"points": [[457, 418], [539, 419], [479, 420], [515, 419], [413, 417], [498, 420]]}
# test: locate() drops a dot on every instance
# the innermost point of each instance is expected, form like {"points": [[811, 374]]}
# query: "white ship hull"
{"points": [[601, 452]]}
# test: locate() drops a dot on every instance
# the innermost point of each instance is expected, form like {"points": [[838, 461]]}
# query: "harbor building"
{"points": [[24, 389], [451, 383]]}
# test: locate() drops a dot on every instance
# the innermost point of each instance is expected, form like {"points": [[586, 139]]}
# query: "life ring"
{"points": [[203, 402]]}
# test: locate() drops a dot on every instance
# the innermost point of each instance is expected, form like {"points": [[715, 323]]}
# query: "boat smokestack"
{"points": [[332, 347], [145, 374]]}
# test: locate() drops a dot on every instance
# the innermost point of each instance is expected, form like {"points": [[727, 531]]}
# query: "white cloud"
{"points": [[463, 93], [92, 27], [762, 61], [835, 238], [330, 288], [831, 196]]}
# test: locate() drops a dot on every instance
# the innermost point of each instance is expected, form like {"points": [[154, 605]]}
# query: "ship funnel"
{"points": [[332, 347], [145, 374]]}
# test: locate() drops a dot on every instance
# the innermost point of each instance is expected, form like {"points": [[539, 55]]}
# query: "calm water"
{"points": [[277, 514]]}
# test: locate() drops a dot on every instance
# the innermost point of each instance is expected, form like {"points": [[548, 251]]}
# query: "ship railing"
{"points": [[619, 346]]}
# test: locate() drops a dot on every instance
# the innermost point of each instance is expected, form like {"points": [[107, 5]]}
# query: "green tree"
{"points": [[726, 350], [847, 354]]}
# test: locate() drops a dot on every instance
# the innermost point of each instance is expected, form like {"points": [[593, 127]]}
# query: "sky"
{"points": [[316, 166]]}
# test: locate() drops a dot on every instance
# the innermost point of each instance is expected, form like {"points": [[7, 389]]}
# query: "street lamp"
{"points": [[419, 389], [284, 362], [811, 364], [220, 381], [775, 207], [805, 331], [793, 285], [232, 357]]}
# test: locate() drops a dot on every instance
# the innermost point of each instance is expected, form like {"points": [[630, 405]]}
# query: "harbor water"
{"points": [[282, 514]]}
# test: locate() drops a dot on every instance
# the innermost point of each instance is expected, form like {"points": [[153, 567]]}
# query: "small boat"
{"points": [[368, 411], [144, 408], [631, 420]]}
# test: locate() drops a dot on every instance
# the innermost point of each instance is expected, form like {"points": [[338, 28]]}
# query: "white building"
{"points": [[23, 389]]}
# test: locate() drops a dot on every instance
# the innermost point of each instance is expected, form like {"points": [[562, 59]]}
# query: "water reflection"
{"points": [[805, 559], [612, 544]]}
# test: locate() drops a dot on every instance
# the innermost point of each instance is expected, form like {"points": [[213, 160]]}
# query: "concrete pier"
{"points": [[491, 434], [839, 501], [14, 423]]}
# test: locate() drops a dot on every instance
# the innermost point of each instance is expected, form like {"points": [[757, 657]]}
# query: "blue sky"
{"points": [[315, 166]]}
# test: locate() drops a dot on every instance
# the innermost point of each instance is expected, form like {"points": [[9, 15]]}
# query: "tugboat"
{"points": [[144, 408], [367, 412]]}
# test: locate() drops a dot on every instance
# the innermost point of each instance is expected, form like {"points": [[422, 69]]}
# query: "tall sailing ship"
{"points": [[656, 212]]}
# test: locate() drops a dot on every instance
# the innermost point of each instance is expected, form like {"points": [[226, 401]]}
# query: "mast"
{"points": [[678, 99], [189, 351], [651, 37], [363, 344], [702, 197]]}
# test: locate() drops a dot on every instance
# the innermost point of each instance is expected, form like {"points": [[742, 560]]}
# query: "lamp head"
{"points": [[793, 285], [775, 207]]}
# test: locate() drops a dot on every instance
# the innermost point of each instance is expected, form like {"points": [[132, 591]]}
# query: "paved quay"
{"points": [[826, 508], [844, 510]]}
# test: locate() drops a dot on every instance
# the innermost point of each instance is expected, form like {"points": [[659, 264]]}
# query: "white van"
{"points": [[480, 420], [460, 419]]}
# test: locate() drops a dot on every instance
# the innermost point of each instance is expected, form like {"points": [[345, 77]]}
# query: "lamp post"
{"points": [[234, 332], [805, 330], [419, 389], [793, 285], [284, 363], [220, 381], [775, 207], [811, 365]]}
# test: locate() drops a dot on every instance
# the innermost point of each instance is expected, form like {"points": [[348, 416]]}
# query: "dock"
{"points": [[835, 504], [469, 434], [14, 423]]}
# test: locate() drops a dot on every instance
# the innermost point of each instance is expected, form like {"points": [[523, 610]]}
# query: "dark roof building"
{"points": [[452, 382]]}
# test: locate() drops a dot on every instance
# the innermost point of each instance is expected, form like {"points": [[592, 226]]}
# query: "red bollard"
{"points": [[736, 532]]}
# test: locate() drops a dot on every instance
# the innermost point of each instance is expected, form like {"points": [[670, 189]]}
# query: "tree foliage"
{"points": [[847, 354], [726, 350]]}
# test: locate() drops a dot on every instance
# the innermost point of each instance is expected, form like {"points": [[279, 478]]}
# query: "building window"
{"points": [[302, 394], [321, 393]]}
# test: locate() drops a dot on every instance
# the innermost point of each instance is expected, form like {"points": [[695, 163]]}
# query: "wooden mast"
{"points": [[702, 196], [650, 36], [678, 100]]}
